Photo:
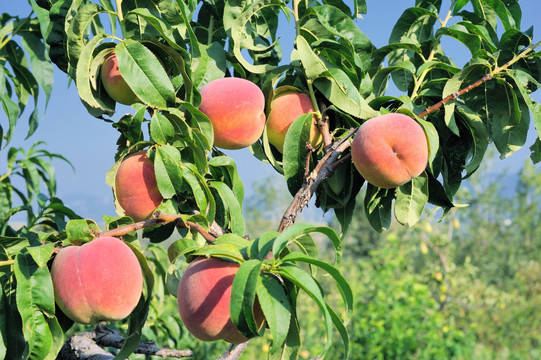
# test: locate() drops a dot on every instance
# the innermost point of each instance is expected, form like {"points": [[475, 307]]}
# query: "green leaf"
{"points": [[381, 78], [313, 66], [12, 112], [342, 93], [77, 32], [535, 150], [95, 105], [340, 26], [181, 247], [510, 120], [377, 205], [161, 129], [3, 324], [341, 282], [167, 169], [299, 230], [452, 86], [479, 135], [276, 308], [307, 283], [144, 74], [261, 246], [200, 190], [508, 11], [139, 315], [35, 302], [380, 54], [234, 239], [230, 175], [243, 297], [41, 254], [80, 231], [333, 83], [41, 66], [337, 321], [210, 65], [460, 32], [232, 205], [291, 348], [411, 199], [240, 34], [414, 26], [298, 134], [224, 250], [522, 79]]}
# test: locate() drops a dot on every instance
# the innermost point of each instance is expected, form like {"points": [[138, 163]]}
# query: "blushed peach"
{"points": [[136, 189], [235, 108], [114, 83], [204, 295], [390, 150], [284, 109], [98, 281]]}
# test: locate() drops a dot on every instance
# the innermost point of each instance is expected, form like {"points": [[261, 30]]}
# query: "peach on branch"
{"points": [[136, 189], [284, 109], [114, 83], [235, 108], [98, 281], [390, 150], [204, 295]]}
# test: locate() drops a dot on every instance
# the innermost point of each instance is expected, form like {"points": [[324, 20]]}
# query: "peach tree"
{"points": [[164, 58]]}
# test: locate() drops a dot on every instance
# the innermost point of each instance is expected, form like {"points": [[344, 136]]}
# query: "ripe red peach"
{"points": [[114, 83], [284, 109], [235, 108], [204, 295], [98, 281], [136, 189], [390, 150]]}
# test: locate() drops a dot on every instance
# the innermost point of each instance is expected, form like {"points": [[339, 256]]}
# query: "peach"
{"points": [[114, 83], [390, 150], [204, 294], [136, 189], [235, 108], [284, 109], [99, 281]]}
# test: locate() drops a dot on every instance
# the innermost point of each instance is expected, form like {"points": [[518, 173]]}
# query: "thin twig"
{"points": [[158, 219], [455, 95], [479, 82], [309, 150], [324, 128]]}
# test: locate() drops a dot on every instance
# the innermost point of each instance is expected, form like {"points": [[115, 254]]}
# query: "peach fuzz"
{"points": [[390, 150], [136, 189], [204, 295], [235, 108], [284, 109], [98, 281], [114, 83]]}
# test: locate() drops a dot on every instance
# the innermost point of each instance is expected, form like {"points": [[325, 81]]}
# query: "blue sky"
{"points": [[90, 143]]}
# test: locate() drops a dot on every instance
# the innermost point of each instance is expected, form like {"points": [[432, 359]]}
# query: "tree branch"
{"points": [[323, 170], [158, 219], [89, 346]]}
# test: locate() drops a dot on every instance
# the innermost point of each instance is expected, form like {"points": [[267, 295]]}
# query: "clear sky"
{"points": [[90, 143]]}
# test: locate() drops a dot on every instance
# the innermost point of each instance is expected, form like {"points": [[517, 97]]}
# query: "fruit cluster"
{"points": [[102, 280]]}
